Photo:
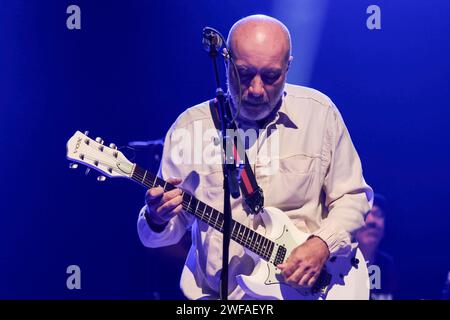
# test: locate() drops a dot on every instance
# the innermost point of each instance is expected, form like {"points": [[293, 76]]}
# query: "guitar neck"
{"points": [[241, 234]]}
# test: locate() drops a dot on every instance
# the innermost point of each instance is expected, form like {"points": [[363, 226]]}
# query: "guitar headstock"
{"points": [[107, 160]]}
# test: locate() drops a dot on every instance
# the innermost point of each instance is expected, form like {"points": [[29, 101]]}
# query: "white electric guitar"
{"points": [[341, 277]]}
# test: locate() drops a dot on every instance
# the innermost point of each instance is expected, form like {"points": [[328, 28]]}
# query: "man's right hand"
{"points": [[163, 206]]}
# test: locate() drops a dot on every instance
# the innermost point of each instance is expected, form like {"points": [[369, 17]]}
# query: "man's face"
{"points": [[373, 230], [262, 63]]}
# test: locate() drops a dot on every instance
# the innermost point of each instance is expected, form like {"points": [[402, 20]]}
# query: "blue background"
{"points": [[135, 65]]}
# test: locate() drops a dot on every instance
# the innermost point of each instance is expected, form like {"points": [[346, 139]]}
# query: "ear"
{"points": [[289, 62], [226, 56]]}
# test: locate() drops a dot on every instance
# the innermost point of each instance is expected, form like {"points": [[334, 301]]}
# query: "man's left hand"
{"points": [[305, 263]]}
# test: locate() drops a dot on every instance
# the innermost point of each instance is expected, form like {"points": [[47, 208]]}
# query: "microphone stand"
{"points": [[230, 174]]}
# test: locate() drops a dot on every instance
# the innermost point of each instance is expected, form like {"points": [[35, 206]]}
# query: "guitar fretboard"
{"points": [[241, 234]]}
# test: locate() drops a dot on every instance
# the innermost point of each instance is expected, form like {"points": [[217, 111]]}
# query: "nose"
{"points": [[256, 88]]}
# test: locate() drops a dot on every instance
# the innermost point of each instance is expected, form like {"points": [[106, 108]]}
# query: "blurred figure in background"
{"points": [[382, 271]]}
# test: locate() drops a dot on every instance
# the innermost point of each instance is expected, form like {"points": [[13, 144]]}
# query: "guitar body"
{"points": [[343, 278]]}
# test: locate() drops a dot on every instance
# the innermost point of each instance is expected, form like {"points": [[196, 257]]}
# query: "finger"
{"points": [[290, 268], [166, 216], [313, 280], [153, 196], [169, 195], [281, 266], [296, 276], [304, 281], [169, 205], [174, 180]]}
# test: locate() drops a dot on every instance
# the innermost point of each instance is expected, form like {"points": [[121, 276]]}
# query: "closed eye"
{"points": [[270, 78]]}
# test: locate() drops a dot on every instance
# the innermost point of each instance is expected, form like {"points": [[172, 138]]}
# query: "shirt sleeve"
{"points": [[347, 196], [177, 226]]}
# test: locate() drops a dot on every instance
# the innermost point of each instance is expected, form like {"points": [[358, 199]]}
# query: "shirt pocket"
{"points": [[292, 186]]}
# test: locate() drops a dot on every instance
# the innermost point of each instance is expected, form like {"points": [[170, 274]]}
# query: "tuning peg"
{"points": [[112, 146], [87, 171], [99, 140], [86, 133], [73, 165], [101, 178]]}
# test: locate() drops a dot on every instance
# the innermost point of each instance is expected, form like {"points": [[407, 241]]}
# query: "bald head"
{"points": [[260, 47], [260, 31]]}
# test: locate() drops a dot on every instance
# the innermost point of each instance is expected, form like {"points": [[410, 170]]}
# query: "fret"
{"points": [[154, 182], [266, 248], [252, 237], [190, 199], [194, 204], [186, 201], [209, 213], [220, 224], [246, 231], [210, 218], [145, 174], [239, 231], [232, 230], [271, 248], [206, 213], [263, 246], [255, 243], [196, 207], [242, 234], [217, 219], [200, 204], [258, 241], [236, 231], [148, 182]]}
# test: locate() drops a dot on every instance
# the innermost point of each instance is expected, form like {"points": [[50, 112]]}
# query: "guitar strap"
{"points": [[252, 193]]}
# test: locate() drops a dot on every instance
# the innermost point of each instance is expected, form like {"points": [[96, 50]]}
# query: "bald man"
{"points": [[312, 171]]}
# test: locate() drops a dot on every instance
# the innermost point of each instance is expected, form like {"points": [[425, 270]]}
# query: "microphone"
{"points": [[212, 39]]}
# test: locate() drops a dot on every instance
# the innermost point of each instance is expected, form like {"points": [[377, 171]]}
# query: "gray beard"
{"points": [[235, 101]]}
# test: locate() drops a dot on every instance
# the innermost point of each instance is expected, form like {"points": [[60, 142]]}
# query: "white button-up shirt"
{"points": [[306, 164]]}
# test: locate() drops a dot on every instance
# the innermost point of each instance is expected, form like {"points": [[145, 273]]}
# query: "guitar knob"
{"points": [[86, 133], [73, 165], [112, 146], [99, 140], [101, 178]]}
